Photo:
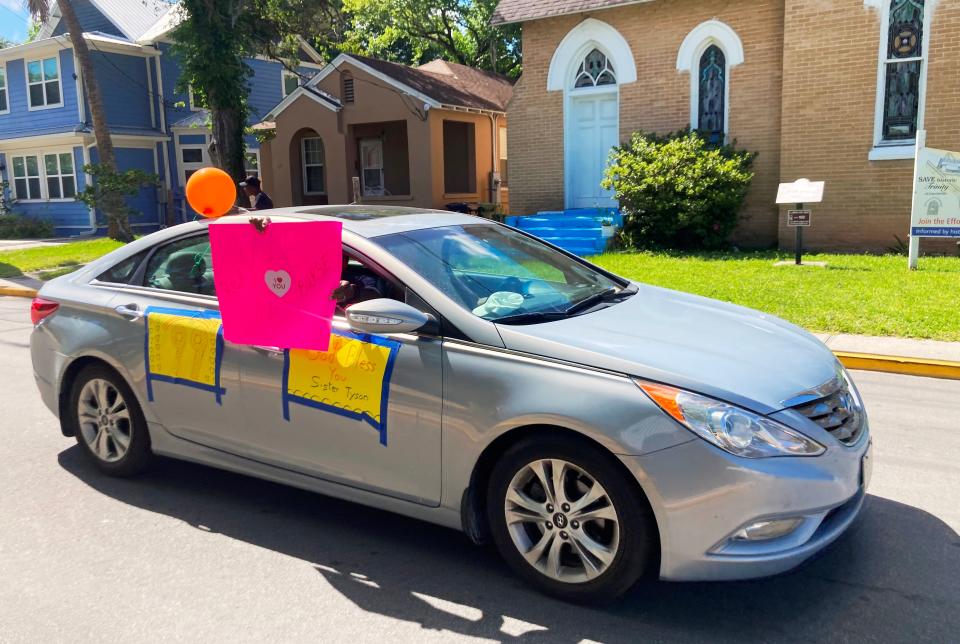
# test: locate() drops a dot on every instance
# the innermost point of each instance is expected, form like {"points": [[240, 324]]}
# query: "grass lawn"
{"points": [[866, 294], [18, 262]]}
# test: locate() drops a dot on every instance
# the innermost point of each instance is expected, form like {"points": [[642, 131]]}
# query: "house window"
{"points": [[43, 83], [711, 115], [4, 101], [312, 153], [26, 177], [348, 90], [502, 149], [61, 182], [44, 176], [251, 163], [459, 158], [291, 81], [594, 71], [902, 62], [192, 158], [371, 165]]}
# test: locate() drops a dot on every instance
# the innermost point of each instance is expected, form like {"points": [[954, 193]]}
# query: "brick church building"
{"points": [[828, 90]]}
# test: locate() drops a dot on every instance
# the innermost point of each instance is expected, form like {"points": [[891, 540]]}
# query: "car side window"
{"points": [[361, 282], [184, 265]]}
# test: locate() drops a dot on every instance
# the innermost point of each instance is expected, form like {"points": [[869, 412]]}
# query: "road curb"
{"points": [[18, 291], [926, 367]]}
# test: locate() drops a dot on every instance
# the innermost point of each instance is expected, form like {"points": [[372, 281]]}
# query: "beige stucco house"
{"points": [[832, 91], [414, 136]]}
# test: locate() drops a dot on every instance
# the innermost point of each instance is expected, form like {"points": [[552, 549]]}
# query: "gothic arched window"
{"points": [[902, 68], [594, 71], [711, 115]]}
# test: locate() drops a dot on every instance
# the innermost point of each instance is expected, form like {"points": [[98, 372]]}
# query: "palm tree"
{"points": [[118, 222]]}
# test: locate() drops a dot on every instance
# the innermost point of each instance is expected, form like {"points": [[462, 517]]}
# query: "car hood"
{"points": [[722, 350]]}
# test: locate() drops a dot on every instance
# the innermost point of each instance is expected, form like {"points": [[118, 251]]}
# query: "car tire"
{"points": [[105, 417], [618, 524]]}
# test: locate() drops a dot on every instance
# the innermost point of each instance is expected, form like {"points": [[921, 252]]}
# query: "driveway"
{"points": [[188, 553]]}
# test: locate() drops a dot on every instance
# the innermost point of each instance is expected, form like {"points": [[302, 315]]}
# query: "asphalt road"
{"points": [[191, 553]]}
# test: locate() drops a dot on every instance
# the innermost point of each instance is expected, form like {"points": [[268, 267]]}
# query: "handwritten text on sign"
{"points": [[183, 347], [351, 378]]}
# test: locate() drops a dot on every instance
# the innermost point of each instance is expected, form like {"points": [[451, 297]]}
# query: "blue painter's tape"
{"points": [[381, 426], [216, 389]]}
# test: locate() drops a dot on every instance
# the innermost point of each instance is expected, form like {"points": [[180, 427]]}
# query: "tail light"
{"points": [[41, 309]]}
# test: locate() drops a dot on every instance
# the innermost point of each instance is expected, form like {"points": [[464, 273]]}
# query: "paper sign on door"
{"points": [[183, 347], [274, 286], [351, 378]]}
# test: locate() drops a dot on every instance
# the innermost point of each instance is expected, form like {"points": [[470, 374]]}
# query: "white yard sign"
{"points": [[936, 196]]}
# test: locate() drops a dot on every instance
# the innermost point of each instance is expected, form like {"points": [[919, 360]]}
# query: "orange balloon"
{"points": [[210, 191]]}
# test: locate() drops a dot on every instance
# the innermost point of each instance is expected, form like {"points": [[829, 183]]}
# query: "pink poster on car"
{"points": [[274, 286]]}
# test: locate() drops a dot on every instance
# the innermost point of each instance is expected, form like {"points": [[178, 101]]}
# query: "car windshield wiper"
{"points": [[532, 317], [605, 295]]}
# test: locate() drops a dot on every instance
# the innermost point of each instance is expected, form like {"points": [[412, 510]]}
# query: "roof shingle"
{"points": [[449, 83], [520, 10]]}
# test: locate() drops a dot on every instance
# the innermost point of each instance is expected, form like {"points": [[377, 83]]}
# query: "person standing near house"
{"points": [[259, 199]]}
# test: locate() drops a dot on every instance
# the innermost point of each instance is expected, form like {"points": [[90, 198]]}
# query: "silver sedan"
{"points": [[595, 429]]}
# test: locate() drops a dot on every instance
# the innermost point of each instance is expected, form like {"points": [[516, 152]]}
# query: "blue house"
{"points": [[46, 134]]}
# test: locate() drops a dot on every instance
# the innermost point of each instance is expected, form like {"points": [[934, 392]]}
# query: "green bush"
{"points": [[677, 191], [18, 227]]}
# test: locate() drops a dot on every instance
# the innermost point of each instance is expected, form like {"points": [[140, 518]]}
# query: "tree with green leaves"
{"points": [[213, 41], [113, 206], [417, 31]]}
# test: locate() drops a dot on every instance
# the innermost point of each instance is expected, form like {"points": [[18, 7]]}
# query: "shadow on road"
{"points": [[895, 576]]}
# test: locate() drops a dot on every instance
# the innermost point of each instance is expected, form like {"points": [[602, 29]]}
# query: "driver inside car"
{"points": [[358, 284]]}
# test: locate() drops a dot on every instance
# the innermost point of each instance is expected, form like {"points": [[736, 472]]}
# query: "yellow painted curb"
{"points": [[929, 368], [18, 291]]}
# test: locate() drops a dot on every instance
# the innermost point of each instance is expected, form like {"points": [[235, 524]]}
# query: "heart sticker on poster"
{"points": [[278, 282]]}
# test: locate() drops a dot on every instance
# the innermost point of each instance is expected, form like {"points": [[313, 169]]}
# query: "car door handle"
{"points": [[130, 311], [269, 351]]}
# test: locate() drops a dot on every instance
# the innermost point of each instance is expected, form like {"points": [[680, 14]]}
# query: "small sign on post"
{"points": [[798, 218], [800, 192]]}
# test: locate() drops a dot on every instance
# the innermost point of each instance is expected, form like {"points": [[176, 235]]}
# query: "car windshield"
{"points": [[499, 274]]}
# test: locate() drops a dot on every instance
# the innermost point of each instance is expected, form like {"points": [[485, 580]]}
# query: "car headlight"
{"points": [[729, 427]]}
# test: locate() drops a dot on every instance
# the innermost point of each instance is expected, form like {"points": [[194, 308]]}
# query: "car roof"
{"points": [[373, 220]]}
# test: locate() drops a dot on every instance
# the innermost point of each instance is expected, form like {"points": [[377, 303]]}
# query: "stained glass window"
{"points": [[711, 113], [595, 70], [904, 63]]}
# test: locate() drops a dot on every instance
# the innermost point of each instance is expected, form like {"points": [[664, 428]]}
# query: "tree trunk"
{"points": [[229, 148], [118, 222]]}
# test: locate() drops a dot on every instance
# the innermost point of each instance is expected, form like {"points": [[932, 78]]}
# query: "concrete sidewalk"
{"points": [[20, 244], [906, 347]]}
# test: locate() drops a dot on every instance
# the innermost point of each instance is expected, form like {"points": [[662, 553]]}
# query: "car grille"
{"points": [[840, 413]]}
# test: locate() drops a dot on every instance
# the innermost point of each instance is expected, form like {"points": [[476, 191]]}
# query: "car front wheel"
{"points": [[107, 421], [567, 518]]}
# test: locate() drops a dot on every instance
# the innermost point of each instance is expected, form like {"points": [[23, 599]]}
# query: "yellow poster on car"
{"points": [[351, 378], [183, 347]]}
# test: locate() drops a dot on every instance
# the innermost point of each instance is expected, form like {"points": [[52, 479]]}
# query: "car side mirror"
{"points": [[384, 315]]}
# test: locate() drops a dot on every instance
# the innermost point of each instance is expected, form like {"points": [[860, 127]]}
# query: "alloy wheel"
{"points": [[562, 520], [104, 420]]}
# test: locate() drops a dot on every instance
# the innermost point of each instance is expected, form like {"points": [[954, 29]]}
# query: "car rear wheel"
{"points": [[108, 423], [567, 518]]}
